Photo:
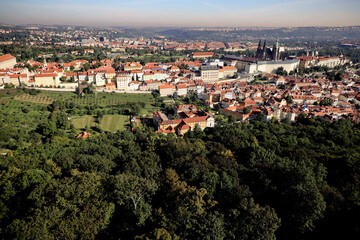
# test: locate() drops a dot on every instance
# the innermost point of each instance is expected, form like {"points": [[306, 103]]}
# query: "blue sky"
{"points": [[183, 12]]}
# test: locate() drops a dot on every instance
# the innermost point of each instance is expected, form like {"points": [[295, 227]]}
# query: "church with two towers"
{"points": [[265, 53]]}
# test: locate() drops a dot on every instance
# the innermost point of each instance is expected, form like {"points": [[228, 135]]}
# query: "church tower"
{"points": [[276, 51], [264, 51], [259, 50]]}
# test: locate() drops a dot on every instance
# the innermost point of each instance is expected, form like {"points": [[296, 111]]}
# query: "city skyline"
{"points": [[169, 13]]}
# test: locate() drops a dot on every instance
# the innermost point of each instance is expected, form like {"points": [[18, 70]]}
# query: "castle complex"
{"points": [[265, 53]]}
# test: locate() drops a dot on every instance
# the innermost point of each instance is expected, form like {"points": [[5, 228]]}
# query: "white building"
{"points": [[122, 82], [134, 85], [216, 62], [181, 90], [271, 66], [328, 61], [209, 73], [7, 61], [100, 79]]}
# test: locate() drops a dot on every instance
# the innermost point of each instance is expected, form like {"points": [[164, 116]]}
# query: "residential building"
{"points": [[187, 120], [229, 71], [47, 80], [122, 82], [209, 73], [110, 86], [166, 90], [7, 61], [134, 85], [181, 90]]}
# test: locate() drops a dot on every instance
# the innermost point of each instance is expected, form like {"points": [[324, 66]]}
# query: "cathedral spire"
{"points": [[264, 50], [259, 50]]}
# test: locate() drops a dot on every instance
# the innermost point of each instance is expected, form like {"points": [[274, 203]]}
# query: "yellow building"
{"points": [[47, 80], [110, 75], [229, 71], [18, 79]]}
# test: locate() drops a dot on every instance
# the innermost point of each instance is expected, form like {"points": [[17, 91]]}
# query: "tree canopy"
{"points": [[235, 181]]}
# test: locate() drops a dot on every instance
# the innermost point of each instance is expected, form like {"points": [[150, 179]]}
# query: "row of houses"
{"points": [[311, 97]]}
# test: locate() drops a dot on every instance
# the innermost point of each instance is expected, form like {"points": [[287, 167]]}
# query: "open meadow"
{"points": [[111, 123]]}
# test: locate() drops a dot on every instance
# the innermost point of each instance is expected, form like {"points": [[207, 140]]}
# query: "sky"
{"points": [[183, 13]]}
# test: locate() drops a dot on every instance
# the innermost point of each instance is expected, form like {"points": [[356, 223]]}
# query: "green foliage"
{"points": [[334, 75], [280, 71], [235, 181], [326, 102]]}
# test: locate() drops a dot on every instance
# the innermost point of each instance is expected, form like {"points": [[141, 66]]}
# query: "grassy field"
{"points": [[81, 122], [113, 123], [110, 123]]}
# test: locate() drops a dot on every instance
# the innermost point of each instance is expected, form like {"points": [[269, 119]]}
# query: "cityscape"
{"points": [[180, 127]]}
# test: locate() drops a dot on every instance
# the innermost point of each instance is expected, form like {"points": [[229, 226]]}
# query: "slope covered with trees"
{"points": [[235, 181]]}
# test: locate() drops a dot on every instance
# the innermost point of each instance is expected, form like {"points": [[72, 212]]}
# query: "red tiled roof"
{"points": [[18, 75], [6, 57], [203, 54], [166, 86], [46, 75], [181, 86], [84, 135], [70, 74], [229, 67]]}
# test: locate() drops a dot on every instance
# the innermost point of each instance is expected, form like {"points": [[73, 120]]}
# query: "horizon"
{"points": [[168, 13], [187, 27]]}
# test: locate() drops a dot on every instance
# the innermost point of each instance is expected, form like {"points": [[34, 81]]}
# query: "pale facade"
{"points": [[166, 90], [100, 79], [122, 82], [7, 61], [271, 66], [209, 73], [229, 71], [328, 62], [47, 80]]}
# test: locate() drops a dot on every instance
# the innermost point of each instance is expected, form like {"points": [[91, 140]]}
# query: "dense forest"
{"points": [[235, 181]]}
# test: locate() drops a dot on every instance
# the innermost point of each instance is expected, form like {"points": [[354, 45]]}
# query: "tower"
{"points": [[276, 51], [259, 51], [264, 51]]}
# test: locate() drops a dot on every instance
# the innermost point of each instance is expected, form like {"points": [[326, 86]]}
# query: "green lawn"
{"points": [[81, 122], [113, 123], [110, 123]]}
